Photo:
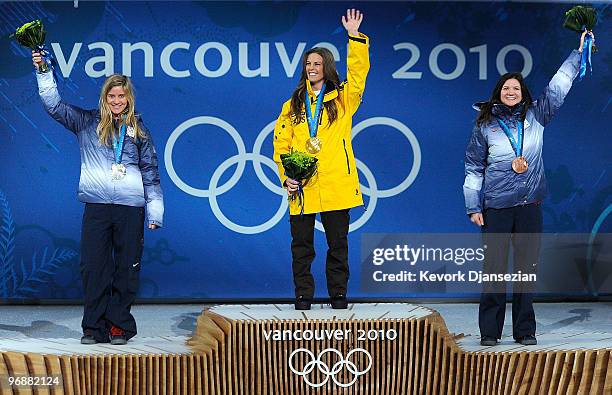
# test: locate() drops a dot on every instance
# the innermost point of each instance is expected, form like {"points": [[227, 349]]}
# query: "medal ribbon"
{"points": [[118, 146], [313, 122], [300, 194], [585, 60], [516, 146]]}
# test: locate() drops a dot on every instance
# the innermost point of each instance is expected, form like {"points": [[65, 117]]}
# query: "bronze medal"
{"points": [[313, 145], [520, 165]]}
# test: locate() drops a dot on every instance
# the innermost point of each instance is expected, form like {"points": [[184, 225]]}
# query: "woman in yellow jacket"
{"points": [[335, 188]]}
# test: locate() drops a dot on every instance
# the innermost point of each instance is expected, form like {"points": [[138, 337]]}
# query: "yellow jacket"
{"points": [[336, 184]]}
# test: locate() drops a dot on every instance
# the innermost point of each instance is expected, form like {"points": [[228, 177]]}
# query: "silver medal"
{"points": [[118, 171]]}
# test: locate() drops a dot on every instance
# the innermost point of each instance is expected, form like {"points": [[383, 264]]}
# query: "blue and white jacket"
{"points": [[490, 181], [141, 184]]}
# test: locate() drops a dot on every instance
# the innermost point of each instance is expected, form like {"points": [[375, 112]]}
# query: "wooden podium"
{"points": [[391, 349], [382, 349]]}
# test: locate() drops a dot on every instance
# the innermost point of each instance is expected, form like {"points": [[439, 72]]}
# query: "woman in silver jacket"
{"points": [[119, 177], [504, 187]]}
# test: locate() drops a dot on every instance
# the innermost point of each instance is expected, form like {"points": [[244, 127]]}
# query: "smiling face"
{"points": [[116, 99], [511, 93], [314, 70]]}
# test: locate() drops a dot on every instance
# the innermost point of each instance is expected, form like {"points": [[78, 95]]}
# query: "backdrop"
{"points": [[210, 80]]}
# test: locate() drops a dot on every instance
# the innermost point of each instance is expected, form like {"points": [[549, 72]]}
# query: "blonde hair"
{"points": [[105, 128]]}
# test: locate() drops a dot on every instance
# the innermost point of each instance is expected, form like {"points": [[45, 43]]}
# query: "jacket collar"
{"points": [[330, 93], [493, 122], [508, 114]]}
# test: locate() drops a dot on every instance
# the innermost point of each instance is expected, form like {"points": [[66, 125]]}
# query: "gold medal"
{"points": [[313, 145], [520, 165]]}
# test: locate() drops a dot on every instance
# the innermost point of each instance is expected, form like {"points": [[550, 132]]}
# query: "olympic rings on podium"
{"points": [[336, 368]]}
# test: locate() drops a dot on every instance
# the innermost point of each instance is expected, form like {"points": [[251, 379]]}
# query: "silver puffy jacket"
{"points": [[490, 181]]}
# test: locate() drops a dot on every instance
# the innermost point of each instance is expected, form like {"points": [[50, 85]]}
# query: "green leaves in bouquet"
{"points": [[579, 17], [299, 165], [31, 34]]}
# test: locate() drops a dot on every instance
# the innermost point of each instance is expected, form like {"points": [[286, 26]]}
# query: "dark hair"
{"points": [[485, 110], [332, 81]]}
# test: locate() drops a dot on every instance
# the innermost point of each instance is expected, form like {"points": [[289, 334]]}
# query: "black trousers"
{"points": [[521, 225], [336, 225], [111, 249]]}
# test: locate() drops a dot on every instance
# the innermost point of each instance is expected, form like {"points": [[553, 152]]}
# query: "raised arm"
{"points": [[150, 179], [554, 94], [358, 61], [71, 117]]}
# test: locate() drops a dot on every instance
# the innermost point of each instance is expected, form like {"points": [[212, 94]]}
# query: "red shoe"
{"points": [[117, 336]]}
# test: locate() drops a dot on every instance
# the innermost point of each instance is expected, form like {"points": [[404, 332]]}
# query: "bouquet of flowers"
{"points": [[299, 166], [580, 19], [32, 35]]}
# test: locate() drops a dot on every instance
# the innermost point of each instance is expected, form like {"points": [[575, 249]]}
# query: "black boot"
{"points": [[302, 303], [338, 301]]}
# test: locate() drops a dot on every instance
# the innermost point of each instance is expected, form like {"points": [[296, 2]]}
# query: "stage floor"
{"points": [[164, 329]]}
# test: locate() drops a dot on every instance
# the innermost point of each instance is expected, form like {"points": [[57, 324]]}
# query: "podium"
{"points": [[394, 348], [384, 348]]}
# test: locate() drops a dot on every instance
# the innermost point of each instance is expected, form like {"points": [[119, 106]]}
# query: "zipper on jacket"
{"points": [[348, 167]]}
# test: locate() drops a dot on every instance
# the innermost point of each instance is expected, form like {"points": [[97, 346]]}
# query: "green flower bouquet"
{"points": [[581, 18], [32, 35], [301, 167]]}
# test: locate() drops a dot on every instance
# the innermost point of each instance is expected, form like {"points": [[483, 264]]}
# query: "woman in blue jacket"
{"points": [[504, 187], [119, 177]]}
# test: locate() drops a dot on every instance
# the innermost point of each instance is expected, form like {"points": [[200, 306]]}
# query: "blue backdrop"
{"points": [[211, 78]]}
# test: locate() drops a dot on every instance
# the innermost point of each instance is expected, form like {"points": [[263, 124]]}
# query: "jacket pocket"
{"points": [[348, 166]]}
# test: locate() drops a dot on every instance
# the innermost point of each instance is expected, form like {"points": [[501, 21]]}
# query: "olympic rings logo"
{"points": [[242, 156], [337, 367]]}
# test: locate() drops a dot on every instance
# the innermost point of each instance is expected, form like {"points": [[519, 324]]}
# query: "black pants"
{"points": [[522, 225], [336, 225], [111, 249]]}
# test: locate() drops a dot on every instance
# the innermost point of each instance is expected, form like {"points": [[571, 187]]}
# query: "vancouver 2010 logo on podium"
{"points": [[342, 364]]}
